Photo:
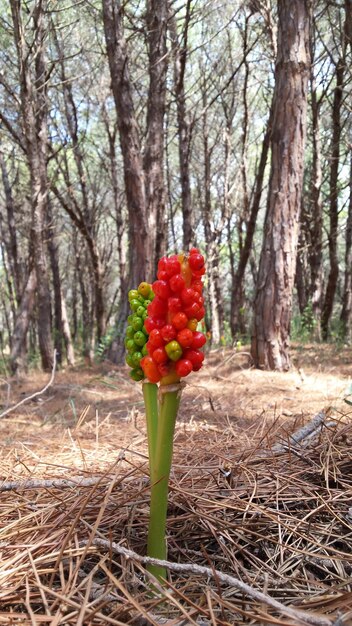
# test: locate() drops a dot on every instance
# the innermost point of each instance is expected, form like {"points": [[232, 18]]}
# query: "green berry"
{"points": [[139, 338], [144, 350], [140, 311], [130, 346], [137, 324], [130, 332], [144, 289], [129, 360], [130, 319], [132, 294], [145, 331], [137, 374], [134, 304], [136, 357], [173, 350]]}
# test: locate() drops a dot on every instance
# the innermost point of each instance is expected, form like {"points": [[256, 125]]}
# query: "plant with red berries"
{"points": [[171, 350]]}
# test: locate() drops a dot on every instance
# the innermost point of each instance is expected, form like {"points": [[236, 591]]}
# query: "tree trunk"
{"points": [[22, 323], [129, 140], [11, 224], [56, 281], [346, 313], [70, 354], [211, 239], [333, 200], [238, 275], [316, 214], [34, 110], [180, 50], [153, 162], [273, 301]]}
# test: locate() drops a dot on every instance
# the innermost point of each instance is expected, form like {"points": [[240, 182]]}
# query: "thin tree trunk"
{"points": [[333, 200], [70, 354], [130, 142], [346, 313], [238, 276], [11, 224], [316, 215], [180, 50], [31, 57], [211, 239], [22, 322], [153, 163], [273, 301], [55, 270]]}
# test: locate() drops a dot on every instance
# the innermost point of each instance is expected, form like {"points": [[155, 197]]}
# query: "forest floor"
{"points": [[244, 500]]}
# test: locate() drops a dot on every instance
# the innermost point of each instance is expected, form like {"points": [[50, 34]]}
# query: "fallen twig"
{"points": [[56, 483], [301, 433], [33, 395], [193, 568]]}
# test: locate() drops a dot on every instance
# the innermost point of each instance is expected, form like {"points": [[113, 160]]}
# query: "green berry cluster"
{"points": [[136, 332]]}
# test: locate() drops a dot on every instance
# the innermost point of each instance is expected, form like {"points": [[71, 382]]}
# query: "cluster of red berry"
{"points": [[174, 344]]}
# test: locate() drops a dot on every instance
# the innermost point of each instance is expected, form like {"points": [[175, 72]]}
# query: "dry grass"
{"points": [[280, 522]]}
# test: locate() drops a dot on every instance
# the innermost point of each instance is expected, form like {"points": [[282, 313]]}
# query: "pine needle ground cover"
{"points": [[259, 524]]}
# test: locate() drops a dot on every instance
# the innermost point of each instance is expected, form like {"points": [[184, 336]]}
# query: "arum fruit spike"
{"points": [[163, 346]]}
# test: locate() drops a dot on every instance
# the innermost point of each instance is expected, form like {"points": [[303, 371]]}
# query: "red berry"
{"points": [[174, 305], [150, 347], [161, 288], [179, 321], [177, 283], [188, 296], [168, 333], [201, 313], [157, 308], [164, 369], [192, 310], [162, 264], [162, 275], [159, 356], [150, 369], [198, 340], [156, 339], [183, 367], [196, 261], [149, 323], [185, 338], [173, 266], [197, 285], [194, 251], [199, 273], [159, 322], [196, 357]]}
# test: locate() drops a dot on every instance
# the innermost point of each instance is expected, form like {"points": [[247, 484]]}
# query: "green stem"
{"points": [[150, 394], [157, 547]]}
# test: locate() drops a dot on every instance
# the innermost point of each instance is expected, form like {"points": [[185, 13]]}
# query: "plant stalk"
{"points": [[150, 394], [161, 466]]}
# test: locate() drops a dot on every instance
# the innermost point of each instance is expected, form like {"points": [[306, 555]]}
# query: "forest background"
{"points": [[134, 129]]}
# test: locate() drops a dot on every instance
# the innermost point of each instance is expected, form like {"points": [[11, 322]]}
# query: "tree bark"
{"points": [[34, 104], [346, 313], [333, 199], [22, 322], [129, 140], [273, 301], [238, 275], [153, 162], [70, 354], [56, 282], [12, 248], [316, 214], [180, 50]]}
